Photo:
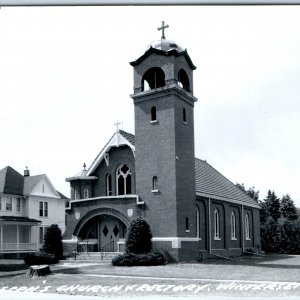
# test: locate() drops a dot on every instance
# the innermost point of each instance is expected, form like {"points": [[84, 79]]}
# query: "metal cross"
{"points": [[117, 125], [162, 28]]}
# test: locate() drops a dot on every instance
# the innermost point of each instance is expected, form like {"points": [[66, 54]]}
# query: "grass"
{"points": [[246, 268]]}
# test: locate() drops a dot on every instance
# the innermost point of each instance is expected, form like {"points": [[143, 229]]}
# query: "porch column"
{"points": [[18, 243], [1, 234], [37, 229]]}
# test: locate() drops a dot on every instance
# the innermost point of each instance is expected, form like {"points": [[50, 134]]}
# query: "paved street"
{"points": [[248, 277]]}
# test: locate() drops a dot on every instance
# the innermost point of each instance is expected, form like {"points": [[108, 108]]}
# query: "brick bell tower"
{"points": [[164, 144]]}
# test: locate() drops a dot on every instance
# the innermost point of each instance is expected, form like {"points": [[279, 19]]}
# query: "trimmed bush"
{"points": [[138, 237], [40, 258], [145, 259]]}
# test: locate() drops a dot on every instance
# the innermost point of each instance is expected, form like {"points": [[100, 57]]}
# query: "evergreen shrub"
{"points": [[144, 259], [138, 247], [40, 258], [138, 238], [53, 241]]}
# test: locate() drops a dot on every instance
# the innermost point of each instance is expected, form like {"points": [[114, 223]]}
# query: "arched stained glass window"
{"points": [[123, 178], [108, 185], [247, 227], [233, 226], [217, 223]]}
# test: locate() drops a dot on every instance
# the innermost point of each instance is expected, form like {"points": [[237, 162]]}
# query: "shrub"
{"points": [[145, 259], [138, 237], [53, 241], [40, 258]]}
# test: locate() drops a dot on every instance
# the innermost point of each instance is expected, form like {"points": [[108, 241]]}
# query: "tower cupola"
{"points": [[164, 63]]}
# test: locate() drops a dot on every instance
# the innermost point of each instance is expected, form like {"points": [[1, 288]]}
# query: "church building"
{"points": [[194, 212]]}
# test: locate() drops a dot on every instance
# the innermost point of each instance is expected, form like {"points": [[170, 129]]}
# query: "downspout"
{"points": [[209, 227]]}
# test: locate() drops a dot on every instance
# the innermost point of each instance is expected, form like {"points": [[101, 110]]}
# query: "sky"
{"points": [[65, 79]]}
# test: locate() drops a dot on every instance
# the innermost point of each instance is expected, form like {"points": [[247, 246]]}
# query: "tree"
{"points": [[251, 192], [138, 237], [287, 208], [53, 241], [272, 205], [270, 236]]}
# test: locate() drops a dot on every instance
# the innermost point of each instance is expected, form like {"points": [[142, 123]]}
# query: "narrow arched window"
{"points": [[108, 185], [153, 114], [187, 225], [184, 115], [233, 226], [217, 224], [154, 183], [123, 178], [85, 193], [247, 227]]}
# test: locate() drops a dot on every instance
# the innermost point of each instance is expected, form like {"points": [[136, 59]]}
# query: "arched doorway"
{"points": [[101, 230]]}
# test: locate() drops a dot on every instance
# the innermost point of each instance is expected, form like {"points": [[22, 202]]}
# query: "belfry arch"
{"points": [[153, 78], [183, 80]]}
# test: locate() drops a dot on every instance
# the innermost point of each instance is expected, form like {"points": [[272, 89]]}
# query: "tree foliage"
{"points": [[53, 241], [280, 226], [287, 208], [251, 192], [138, 237], [272, 205], [138, 246]]}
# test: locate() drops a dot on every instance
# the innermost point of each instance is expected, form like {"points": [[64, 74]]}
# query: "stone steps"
{"points": [[94, 256]]}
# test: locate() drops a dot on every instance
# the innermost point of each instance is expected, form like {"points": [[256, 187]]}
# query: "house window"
{"points": [[0, 203], [18, 205], [184, 115], [233, 226], [85, 193], [43, 208], [8, 205], [123, 180], [217, 224], [108, 185], [154, 184], [153, 114], [43, 188], [247, 227]]}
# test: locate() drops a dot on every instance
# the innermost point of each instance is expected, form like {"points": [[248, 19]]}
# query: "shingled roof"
{"points": [[128, 136], [210, 183], [30, 182], [11, 182]]}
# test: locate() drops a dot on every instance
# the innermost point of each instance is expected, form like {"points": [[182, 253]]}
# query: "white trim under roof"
{"points": [[239, 202], [116, 140], [129, 196]]}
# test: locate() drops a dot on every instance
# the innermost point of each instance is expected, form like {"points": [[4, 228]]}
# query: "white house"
{"points": [[28, 205]]}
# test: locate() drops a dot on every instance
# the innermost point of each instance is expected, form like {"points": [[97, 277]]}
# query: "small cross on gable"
{"points": [[162, 28], [117, 125]]}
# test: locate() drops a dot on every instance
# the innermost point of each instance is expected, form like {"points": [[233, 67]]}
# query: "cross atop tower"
{"points": [[162, 28]]}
